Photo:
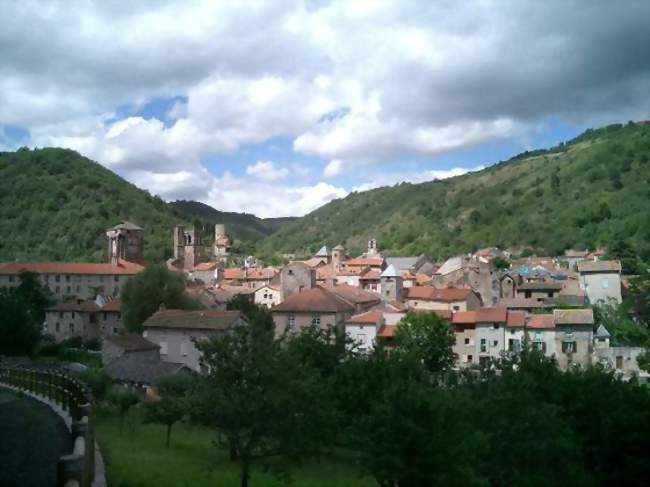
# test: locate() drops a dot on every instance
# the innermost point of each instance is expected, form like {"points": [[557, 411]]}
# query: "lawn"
{"points": [[137, 457]]}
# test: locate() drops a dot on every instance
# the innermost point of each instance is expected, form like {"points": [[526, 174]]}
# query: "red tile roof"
{"points": [[317, 299], [370, 274], [232, 273], [464, 318], [369, 318], [112, 305], [123, 268], [540, 322], [516, 319], [491, 315], [573, 316], [387, 331], [197, 320], [363, 262], [599, 266], [205, 266], [353, 294], [428, 293]]}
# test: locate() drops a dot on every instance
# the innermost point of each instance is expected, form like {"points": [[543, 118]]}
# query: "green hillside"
{"points": [[580, 194], [242, 226]]}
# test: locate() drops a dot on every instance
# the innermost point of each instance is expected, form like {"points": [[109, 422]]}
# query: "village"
{"points": [[497, 303]]}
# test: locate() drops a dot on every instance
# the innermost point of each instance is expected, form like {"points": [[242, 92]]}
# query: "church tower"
{"points": [[125, 242], [188, 247]]}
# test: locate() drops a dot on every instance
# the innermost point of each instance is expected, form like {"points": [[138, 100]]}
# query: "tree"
{"points": [[144, 293], [501, 264], [122, 400], [621, 249], [259, 398], [22, 313], [172, 405], [429, 338]]}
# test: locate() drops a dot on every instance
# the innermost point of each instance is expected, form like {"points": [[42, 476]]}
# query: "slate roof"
{"points": [[317, 299], [599, 266], [402, 263], [390, 271], [197, 320], [601, 332], [132, 368], [573, 316], [323, 252], [132, 343], [126, 225]]}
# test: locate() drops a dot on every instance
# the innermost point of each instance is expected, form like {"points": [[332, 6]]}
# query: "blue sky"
{"points": [[277, 107]]}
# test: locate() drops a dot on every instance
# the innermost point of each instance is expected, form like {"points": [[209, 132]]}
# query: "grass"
{"points": [[137, 457]]}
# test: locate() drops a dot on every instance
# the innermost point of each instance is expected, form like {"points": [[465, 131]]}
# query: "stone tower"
{"points": [[373, 250], [296, 277], [188, 247], [338, 256], [222, 242], [391, 284], [125, 242]]}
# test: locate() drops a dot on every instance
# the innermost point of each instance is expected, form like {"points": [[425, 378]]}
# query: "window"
{"points": [[539, 346], [470, 358], [495, 343], [527, 294], [105, 317], [11, 278], [57, 278], [315, 320], [71, 327], [550, 294], [291, 321], [114, 330], [456, 308], [361, 337], [78, 288], [466, 341], [291, 272], [483, 345], [58, 290], [68, 289], [619, 361], [569, 347], [513, 345], [58, 327], [67, 278], [116, 278], [163, 348], [184, 349], [60, 314]]}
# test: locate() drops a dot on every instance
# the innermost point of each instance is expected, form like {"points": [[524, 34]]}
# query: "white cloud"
{"points": [[333, 168], [389, 179], [267, 171]]}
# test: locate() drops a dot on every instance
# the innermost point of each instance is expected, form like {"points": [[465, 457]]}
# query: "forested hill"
{"points": [[580, 194], [56, 205], [243, 226]]}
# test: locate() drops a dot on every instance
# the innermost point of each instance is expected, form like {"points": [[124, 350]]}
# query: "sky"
{"points": [[277, 107]]}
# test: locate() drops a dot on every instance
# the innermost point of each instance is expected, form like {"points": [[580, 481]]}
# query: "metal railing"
{"points": [[76, 469]]}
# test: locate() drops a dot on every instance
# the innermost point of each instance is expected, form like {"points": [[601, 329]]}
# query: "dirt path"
{"points": [[32, 438]]}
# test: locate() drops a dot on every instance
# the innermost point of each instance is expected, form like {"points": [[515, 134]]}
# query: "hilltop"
{"points": [[243, 226], [56, 205], [581, 194]]}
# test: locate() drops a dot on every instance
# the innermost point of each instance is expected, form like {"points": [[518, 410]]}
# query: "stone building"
{"points": [[87, 319], [188, 247], [222, 242], [296, 277], [573, 337], [125, 242], [176, 332], [601, 280], [117, 346], [448, 299], [391, 285]]}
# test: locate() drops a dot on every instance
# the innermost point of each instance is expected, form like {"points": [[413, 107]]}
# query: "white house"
{"points": [[601, 280], [268, 295], [363, 329]]}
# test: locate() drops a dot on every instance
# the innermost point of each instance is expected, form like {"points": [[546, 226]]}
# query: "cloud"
{"points": [[333, 168], [386, 179], [267, 171], [361, 82]]}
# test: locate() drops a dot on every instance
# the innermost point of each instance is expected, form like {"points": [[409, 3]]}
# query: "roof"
{"points": [[371, 274], [573, 316], [540, 285], [131, 368], [442, 313], [122, 268], [317, 299], [428, 293], [126, 225], [205, 266], [402, 263], [75, 305], [452, 264], [114, 305], [323, 252], [353, 294], [365, 261], [464, 317], [339, 247], [422, 279], [522, 303], [132, 343], [491, 315], [599, 266], [541, 322], [602, 332], [516, 319], [232, 273], [387, 331], [367, 318], [390, 271], [198, 320]]}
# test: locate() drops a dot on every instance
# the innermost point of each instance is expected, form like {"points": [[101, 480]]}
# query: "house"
{"points": [[363, 329], [572, 257], [87, 319], [296, 277], [601, 280], [311, 307], [375, 263], [464, 347], [452, 299], [268, 296], [490, 333], [360, 299], [142, 373], [177, 331], [514, 335], [206, 272], [370, 281], [538, 290], [573, 336], [465, 271], [417, 265], [120, 345], [252, 278], [391, 284]]}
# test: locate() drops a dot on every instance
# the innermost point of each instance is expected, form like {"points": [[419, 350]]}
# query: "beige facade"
{"points": [[268, 296], [464, 346], [298, 320]]}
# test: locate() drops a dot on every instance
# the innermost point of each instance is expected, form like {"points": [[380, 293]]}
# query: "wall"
{"points": [[83, 286], [177, 345], [494, 336], [363, 335], [465, 352], [602, 286], [583, 336], [304, 320], [626, 365], [295, 277], [267, 296]]}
